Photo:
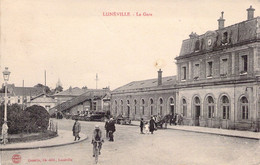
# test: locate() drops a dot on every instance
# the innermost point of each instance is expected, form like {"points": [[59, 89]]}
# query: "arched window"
{"points": [[184, 107], [225, 107], [122, 107], [161, 106], [210, 106], [151, 107], [171, 102], [135, 104], [128, 108], [142, 106], [115, 107], [244, 107]]}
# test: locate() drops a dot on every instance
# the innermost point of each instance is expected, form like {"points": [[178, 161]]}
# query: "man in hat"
{"points": [[76, 129], [111, 129]]}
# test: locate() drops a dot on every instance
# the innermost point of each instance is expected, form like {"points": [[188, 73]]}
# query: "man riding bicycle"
{"points": [[97, 138]]}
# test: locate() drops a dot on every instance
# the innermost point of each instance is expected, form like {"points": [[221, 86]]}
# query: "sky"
{"points": [[73, 41]]}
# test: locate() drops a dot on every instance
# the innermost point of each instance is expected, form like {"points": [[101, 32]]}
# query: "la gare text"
{"points": [[127, 14]]}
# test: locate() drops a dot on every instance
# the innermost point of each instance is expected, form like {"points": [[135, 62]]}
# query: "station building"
{"points": [[217, 83]]}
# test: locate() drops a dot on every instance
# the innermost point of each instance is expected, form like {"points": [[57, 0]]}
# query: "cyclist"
{"points": [[97, 138]]}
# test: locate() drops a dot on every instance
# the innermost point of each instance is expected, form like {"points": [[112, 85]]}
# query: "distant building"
{"points": [[69, 94], [43, 100], [20, 95], [92, 100]]}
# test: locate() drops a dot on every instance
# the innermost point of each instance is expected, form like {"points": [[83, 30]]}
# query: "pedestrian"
{"points": [[4, 133], [146, 127], [177, 119], [111, 129], [181, 119], [76, 129], [152, 125], [106, 127], [174, 119], [141, 125]]}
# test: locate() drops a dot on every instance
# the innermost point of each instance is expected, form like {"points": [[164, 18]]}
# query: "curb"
{"points": [[212, 133], [38, 147]]}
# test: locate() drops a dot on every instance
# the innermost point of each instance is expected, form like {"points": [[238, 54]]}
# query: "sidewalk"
{"points": [[214, 131], [63, 138]]}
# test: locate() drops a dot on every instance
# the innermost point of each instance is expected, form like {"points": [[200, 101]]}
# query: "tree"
{"points": [[45, 88], [39, 118]]}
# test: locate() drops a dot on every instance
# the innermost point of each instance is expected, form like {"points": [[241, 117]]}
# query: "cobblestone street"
{"points": [[130, 147]]}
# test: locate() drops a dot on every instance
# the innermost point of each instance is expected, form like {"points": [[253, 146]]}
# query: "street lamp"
{"points": [[6, 75]]}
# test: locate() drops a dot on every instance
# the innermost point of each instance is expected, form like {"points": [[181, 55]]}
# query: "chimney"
{"points": [[221, 21], [159, 77], [250, 13]]}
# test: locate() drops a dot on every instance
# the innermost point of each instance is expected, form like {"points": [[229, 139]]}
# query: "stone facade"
{"points": [[218, 77], [217, 82]]}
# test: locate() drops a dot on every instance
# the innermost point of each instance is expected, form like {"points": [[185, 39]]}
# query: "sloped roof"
{"points": [[150, 83], [27, 91], [92, 94], [72, 92]]}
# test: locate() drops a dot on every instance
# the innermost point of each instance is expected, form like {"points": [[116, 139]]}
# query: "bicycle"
{"points": [[96, 152]]}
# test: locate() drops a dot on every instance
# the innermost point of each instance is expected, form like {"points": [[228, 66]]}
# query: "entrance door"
{"points": [[197, 115], [172, 109]]}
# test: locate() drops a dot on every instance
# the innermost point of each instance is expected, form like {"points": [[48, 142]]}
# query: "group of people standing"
{"points": [[150, 126]]}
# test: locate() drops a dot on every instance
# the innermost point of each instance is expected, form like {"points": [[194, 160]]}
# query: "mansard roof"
{"points": [[235, 35]]}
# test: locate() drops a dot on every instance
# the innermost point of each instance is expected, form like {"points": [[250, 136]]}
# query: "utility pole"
{"points": [[96, 80]]}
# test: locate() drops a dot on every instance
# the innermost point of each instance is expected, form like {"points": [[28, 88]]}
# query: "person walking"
{"points": [[111, 129], [76, 129], [106, 127], [152, 125], [141, 126]]}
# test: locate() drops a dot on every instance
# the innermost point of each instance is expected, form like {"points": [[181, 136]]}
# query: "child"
{"points": [[146, 128]]}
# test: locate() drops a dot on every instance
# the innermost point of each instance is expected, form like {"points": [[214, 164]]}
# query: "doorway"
{"points": [[197, 115]]}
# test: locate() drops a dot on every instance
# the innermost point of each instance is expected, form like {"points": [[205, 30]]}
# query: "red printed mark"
{"points": [[16, 158]]}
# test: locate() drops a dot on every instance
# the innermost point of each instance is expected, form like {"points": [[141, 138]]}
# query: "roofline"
{"points": [[255, 18]]}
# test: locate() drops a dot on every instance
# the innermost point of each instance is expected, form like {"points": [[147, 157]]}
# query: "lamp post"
{"points": [[6, 75]]}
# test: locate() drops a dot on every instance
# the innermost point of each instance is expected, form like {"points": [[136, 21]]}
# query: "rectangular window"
{"points": [[196, 71], [209, 113], [184, 73], [210, 69], [244, 64], [224, 67], [143, 110]]}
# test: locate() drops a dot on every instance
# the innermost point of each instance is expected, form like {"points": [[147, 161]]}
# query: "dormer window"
{"points": [[183, 73], [225, 38], [197, 46]]}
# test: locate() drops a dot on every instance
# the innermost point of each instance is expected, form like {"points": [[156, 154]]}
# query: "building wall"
{"points": [[136, 110], [234, 94]]}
